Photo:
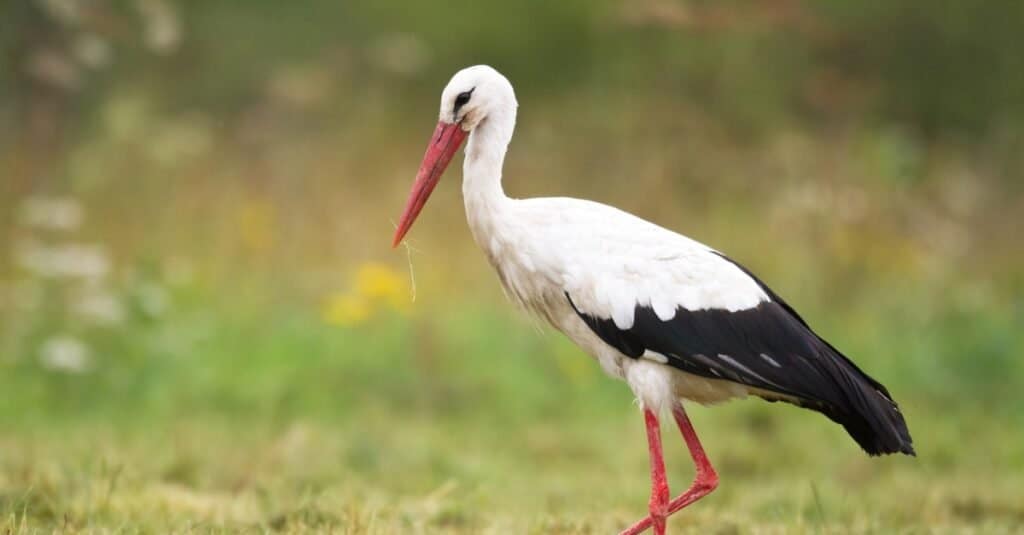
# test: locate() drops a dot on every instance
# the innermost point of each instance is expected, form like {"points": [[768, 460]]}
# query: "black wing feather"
{"points": [[769, 347]]}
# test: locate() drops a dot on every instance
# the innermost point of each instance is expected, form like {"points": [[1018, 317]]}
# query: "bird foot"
{"points": [[702, 486]]}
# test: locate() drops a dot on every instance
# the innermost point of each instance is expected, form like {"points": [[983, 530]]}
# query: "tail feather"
{"points": [[865, 408], [851, 398]]}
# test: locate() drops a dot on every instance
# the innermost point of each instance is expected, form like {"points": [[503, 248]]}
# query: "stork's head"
{"points": [[472, 95]]}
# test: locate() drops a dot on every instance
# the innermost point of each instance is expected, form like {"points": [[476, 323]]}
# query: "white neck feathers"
{"points": [[481, 182]]}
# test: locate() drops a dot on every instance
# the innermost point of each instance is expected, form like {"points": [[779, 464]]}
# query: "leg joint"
{"points": [[706, 482]]}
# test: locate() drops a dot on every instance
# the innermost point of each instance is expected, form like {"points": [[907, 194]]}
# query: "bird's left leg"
{"points": [[659, 504], [706, 479]]}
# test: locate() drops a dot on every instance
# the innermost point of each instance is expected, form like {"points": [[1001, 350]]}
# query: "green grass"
{"points": [[452, 422], [387, 474]]}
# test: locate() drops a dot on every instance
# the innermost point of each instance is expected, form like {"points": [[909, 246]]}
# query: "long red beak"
{"points": [[443, 144]]}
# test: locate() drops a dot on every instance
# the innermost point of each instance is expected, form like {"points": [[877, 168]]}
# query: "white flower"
{"points": [[99, 307], [63, 261], [50, 213], [66, 11], [180, 139], [92, 50], [65, 354], [55, 68], [162, 25]]}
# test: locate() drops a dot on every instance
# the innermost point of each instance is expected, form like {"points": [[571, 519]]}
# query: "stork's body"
{"points": [[672, 317], [551, 258]]}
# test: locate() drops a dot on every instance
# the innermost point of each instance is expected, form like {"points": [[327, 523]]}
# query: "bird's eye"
{"points": [[463, 98]]}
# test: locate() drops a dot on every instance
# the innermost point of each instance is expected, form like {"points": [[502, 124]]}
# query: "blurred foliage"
{"points": [[948, 68], [196, 285]]}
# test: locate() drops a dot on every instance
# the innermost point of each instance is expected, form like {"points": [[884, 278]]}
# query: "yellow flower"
{"points": [[346, 310], [373, 287], [378, 282]]}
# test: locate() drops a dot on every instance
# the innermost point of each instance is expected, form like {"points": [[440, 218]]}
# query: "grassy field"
{"points": [[275, 420]]}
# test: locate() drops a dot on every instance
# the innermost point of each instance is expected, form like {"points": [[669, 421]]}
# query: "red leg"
{"points": [[705, 481], [659, 504]]}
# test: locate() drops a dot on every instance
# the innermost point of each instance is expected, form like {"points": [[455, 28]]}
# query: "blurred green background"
{"points": [[203, 328]]}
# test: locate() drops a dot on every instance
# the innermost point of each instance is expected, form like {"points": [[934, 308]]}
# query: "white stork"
{"points": [[672, 317]]}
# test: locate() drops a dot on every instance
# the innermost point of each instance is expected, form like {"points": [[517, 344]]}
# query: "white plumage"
{"points": [[608, 262]]}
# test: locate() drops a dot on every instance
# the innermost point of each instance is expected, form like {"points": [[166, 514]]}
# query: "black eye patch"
{"points": [[463, 98]]}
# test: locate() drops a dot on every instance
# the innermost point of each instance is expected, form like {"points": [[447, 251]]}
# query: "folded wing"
{"points": [[766, 345]]}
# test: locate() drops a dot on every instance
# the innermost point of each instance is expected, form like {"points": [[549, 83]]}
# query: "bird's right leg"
{"points": [[659, 504]]}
